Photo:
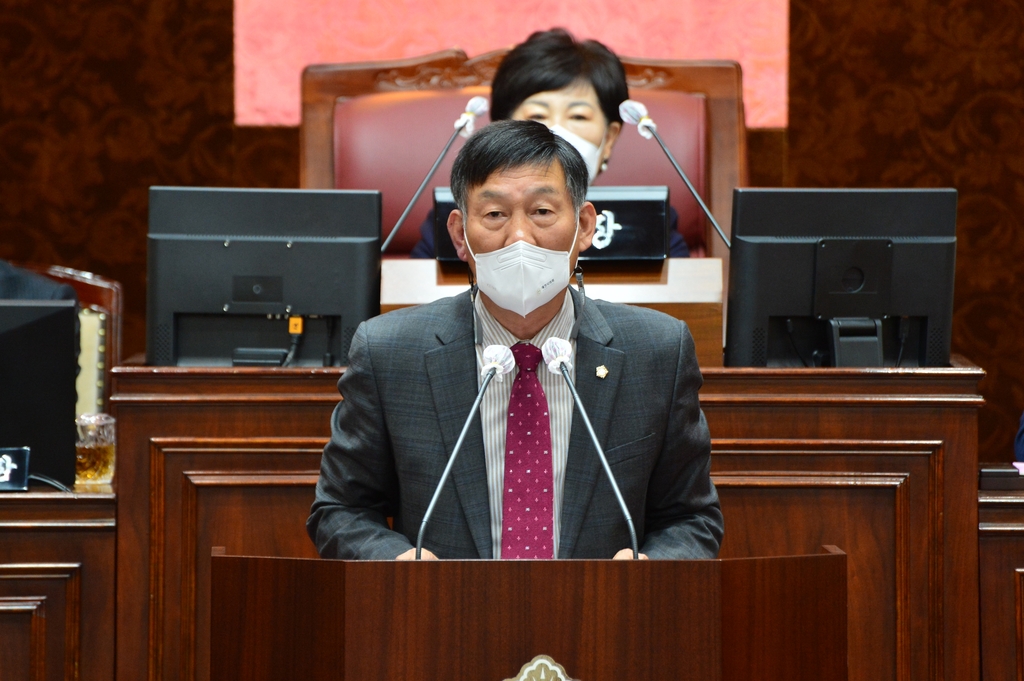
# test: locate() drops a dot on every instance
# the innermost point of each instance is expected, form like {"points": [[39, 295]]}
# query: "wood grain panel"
{"points": [[1000, 553], [819, 492], [884, 405], [186, 404], [914, 430], [56, 590], [250, 495], [61, 546], [430, 620], [1019, 601], [23, 637], [865, 513], [211, 510]]}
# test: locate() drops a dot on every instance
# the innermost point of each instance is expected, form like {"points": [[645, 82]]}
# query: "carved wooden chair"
{"points": [[101, 302], [396, 115]]}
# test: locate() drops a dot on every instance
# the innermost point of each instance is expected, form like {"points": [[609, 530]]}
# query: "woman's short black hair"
{"points": [[552, 60], [507, 145]]}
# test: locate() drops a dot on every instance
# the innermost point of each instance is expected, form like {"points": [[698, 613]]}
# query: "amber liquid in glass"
{"points": [[94, 463]]}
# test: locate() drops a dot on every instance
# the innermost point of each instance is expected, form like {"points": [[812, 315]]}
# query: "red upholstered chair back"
{"points": [[389, 141]]}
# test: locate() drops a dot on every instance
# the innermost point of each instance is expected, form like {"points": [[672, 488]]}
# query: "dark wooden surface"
{"points": [[879, 462], [484, 619], [1001, 554], [57, 585], [206, 458], [1019, 599]]}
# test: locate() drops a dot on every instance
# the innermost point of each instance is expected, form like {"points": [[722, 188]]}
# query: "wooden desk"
{"points": [[57, 584], [1000, 554], [880, 462], [685, 288]]}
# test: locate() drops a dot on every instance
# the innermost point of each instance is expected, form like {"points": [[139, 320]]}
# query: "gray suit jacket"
{"points": [[19, 284], [411, 381]]}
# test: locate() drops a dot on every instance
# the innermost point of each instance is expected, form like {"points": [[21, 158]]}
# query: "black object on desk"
{"points": [[37, 383], [14, 469], [231, 269], [841, 277], [632, 224]]}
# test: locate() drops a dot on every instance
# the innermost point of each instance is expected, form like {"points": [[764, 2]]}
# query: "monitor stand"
{"points": [[856, 342]]}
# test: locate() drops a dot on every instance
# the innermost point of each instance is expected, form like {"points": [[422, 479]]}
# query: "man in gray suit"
{"points": [[413, 376]]}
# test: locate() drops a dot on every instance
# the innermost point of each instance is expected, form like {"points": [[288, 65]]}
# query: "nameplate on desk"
{"points": [[14, 469]]}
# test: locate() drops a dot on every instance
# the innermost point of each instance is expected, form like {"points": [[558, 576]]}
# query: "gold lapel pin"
{"points": [[602, 371]]}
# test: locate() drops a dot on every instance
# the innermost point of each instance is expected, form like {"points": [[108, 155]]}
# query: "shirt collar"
{"points": [[496, 334]]}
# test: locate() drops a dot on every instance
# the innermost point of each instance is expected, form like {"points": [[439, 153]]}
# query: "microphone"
{"points": [[464, 124], [498, 361], [635, 113], [557, 354]]}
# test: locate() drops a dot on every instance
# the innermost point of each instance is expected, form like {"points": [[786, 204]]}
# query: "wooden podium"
{"points": [[758, 618]]}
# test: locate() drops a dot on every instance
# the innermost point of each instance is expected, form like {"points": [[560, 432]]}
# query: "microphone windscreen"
{"points": [[632, 111], [478, 106], [499, 357], [556, 352]]}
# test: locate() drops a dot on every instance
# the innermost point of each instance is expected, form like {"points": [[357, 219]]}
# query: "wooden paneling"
{"points": [[206, 458], [867, 512], [1019, 574], [1001, 554], [57, 585], [879, 462], [23, 636], [430, 620], [259, 507]]}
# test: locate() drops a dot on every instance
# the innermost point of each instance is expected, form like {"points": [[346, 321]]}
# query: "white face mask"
{"points": [[522, 277], [590, 152]]}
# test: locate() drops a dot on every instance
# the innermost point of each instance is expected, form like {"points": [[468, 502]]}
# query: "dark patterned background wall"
{"points": [[918, 93], [98, 101], [101, 99]]}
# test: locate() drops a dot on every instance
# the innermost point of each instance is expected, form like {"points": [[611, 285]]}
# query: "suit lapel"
{"points": [[583, 467], [451, 370]]}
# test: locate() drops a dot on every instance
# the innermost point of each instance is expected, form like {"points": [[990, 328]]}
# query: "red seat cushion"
{"points": [[389, 141]]}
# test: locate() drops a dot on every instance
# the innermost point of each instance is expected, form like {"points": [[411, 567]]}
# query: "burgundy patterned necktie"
{"points": [[527, 518]]}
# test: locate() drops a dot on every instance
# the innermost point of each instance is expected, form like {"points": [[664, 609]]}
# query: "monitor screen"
{"points": [[841, 277], [259, 277], [632, 224], [37, 383]]}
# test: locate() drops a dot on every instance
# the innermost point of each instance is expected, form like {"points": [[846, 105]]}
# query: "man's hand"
{"points": [[427, 555], [627, 554]]}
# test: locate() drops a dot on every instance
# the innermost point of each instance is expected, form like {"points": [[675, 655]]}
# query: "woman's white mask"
{"points": [[590, 152], [522, 277]]}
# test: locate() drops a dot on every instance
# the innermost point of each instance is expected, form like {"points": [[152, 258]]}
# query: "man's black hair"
{"points": [[507, 145], [552, 60]]}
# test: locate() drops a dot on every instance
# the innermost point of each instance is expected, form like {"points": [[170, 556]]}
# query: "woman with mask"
{"points": [[575, 89]]}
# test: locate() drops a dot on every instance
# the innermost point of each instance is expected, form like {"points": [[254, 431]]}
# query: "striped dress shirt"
{"points": [[494, 411]]}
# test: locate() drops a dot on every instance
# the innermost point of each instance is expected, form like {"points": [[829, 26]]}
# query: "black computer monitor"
{"points": [[38, 367], [632, 224], [841, 277], [229, 268]]}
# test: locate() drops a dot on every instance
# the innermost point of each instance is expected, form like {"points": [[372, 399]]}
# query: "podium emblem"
{"points": [[541, 668]]}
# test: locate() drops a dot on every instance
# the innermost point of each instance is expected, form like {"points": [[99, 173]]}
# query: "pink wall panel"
{"points": [[274, 40]]}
